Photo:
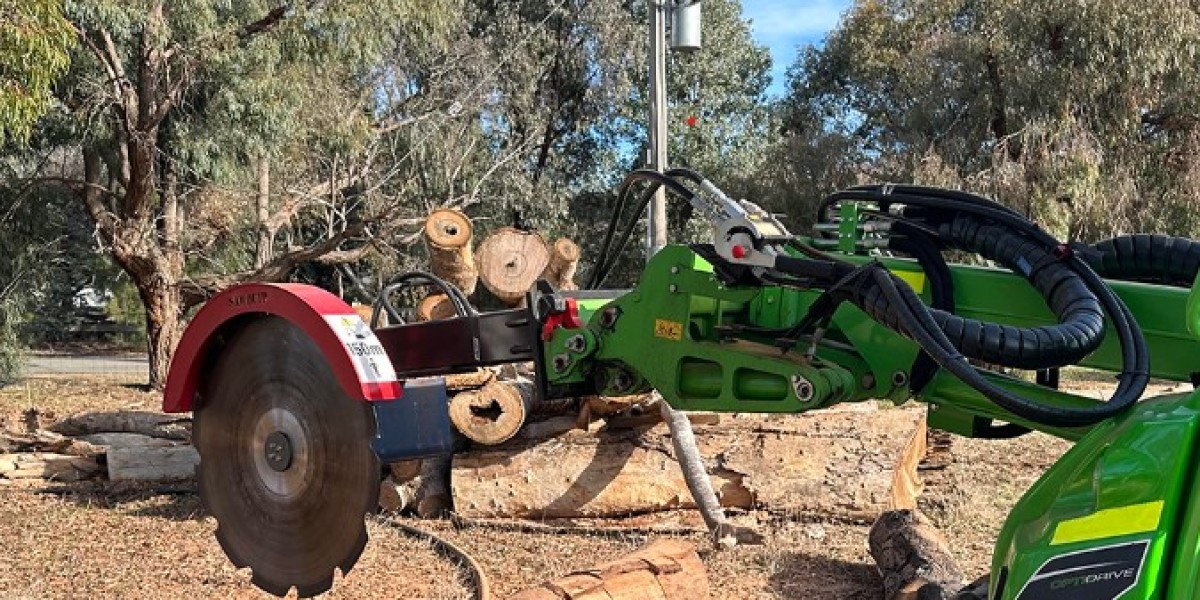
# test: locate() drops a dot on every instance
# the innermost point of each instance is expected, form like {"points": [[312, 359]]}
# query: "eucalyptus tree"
{"points": [[170, 107], [1082, 115]]}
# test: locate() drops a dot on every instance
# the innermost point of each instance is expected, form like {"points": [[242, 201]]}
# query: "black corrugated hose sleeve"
{"points": [[1159, 259], [1081, 319], [914, 320]]}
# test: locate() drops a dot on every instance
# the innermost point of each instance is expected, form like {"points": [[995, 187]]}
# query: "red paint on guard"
{"points": [[305, 306]]}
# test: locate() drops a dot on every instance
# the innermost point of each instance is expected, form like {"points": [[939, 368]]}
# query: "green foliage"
{"points": [[1080, 115], [35, 41]]}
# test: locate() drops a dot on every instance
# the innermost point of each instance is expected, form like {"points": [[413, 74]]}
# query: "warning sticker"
{"points": [[370, 359], [671, 330]]}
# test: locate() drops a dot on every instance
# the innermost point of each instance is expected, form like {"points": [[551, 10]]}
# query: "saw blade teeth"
{"points": [[273, 587], [313, 589]]}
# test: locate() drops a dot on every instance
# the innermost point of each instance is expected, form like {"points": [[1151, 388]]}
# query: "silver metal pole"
{"points": [[656, 228]]}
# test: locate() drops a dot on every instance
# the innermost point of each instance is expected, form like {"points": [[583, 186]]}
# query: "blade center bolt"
{"points": [[278, 450]]}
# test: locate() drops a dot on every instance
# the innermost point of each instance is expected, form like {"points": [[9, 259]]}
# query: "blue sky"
{"points": [[784, 25]]}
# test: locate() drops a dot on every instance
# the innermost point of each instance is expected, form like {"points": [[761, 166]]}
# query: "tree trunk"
{"points": [[160, 296], [838, 464], [663, 570], [262, 202]]}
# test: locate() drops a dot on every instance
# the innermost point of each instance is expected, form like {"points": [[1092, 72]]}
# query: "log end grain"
{"points": [[510, 262]]}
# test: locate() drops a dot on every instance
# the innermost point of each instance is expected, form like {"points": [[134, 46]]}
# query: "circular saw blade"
{"points": [[286, 466]]}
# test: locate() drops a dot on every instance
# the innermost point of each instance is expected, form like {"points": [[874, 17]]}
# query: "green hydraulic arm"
{"points": [[1118, 516]]}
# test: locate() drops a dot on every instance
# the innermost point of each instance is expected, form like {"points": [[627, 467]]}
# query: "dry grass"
{"points": [[116, 541]]}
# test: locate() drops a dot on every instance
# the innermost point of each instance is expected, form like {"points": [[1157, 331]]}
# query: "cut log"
{"points": [[913, 558], [448, 235], [435, 307], [48, 466], [494, 413], [510, 262], [158, 425], [148, 463], [564, 261], [838, 464], [663, 570]]}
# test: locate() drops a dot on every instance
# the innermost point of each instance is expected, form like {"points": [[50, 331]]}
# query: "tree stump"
{"points": [[664, 570], [510, 262], [448, 235]]}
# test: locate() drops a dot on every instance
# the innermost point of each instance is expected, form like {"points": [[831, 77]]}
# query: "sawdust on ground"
{"points": [[107, 540]]}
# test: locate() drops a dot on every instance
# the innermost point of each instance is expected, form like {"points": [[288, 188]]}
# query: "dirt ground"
{"points": [[107, 540]]}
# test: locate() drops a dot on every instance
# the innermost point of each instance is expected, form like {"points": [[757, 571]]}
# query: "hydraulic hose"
{"points": [[1159, 259], [1073, 290]]}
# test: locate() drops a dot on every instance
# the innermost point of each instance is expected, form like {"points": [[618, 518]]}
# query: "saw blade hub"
{"points": [[281, 449], [278, 451]]}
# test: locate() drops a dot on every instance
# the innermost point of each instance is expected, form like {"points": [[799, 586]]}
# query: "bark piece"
{"points": [[510, 262], [148, 463], [469, 381], [662, 570], [157, 425], [564, 262], [48, 466], [913, 558], [906, 480], [494, 413], [448, 235], [835, 464]]}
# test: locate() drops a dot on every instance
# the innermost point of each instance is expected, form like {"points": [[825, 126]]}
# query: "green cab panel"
{"points": [[1105, 521]]}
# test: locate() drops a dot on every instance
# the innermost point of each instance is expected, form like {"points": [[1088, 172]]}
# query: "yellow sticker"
{"points": [[1111, 522], [670, 330], [914, 279]]}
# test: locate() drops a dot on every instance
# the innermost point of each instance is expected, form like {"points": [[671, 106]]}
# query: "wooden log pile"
{"points": [[119, 446]]}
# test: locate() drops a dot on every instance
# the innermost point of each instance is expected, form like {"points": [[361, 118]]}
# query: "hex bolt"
{"points": [[561, 362], [622, 382], [868, 381], [674, 288], [576, 343], [803, 388], [675, 270], [899, 379], [609, 316]]}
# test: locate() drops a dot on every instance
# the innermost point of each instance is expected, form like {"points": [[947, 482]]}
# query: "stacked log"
{"points": [[564, 261], [510, 262], [448, 235]]}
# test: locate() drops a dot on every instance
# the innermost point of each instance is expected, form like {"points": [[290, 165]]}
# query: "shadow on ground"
{"points": [[174, 502], [799, 573]]}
